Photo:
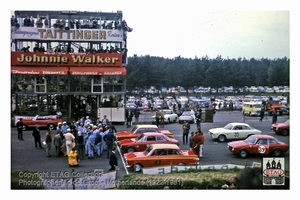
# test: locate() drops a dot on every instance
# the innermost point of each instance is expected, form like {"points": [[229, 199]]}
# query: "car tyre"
{"points": [[130, 149], [222, 138], [138, 167], [277, 152], [243, 153], [285, 132], [169, 121]]}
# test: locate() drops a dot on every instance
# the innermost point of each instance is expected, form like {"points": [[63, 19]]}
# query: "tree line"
{"points": [[146, 71]]}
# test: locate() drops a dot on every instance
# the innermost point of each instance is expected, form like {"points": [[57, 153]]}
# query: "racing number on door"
{"points": [[157, 162], [236, 134]]}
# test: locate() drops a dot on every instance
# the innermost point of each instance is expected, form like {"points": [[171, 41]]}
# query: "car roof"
{"points": [[153, 134], [164, 146], [263, 136], [239, 123], [146, 126]]}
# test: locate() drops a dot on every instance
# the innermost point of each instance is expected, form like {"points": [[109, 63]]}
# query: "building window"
{"points": [[40, 84]]}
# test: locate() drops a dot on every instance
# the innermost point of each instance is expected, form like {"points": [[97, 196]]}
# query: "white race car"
{"points": [[170, 117]]}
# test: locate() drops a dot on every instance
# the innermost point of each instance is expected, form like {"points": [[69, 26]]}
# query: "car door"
{"points": [[154, 159], [234, 133], [244, 132], [162, 157], [261, 147]]}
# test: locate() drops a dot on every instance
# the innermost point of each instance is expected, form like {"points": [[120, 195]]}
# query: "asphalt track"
{"points": [[24, 155]]}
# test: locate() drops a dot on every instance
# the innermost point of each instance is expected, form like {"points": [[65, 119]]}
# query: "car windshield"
{"points": [[149, 149], [140, 138], [166, 138], [287, 122], [251, 140], [228, 127], [257, 105], [186, 113], [133, 129]]}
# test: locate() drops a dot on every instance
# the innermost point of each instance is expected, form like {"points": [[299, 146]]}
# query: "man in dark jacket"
{"points": [[19, 126], [113, 161], [37, 137], [109, 139], [129, 115], [137, 115]]}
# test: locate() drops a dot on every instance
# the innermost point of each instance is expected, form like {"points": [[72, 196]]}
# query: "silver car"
{"points": [[186, 116]]}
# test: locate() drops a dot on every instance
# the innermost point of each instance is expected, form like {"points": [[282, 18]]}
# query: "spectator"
{"points": [[80, 145], [157, 118], [37, 137], [113, 161], [19, 126], [109, 139], [274, 118], [128, 116], [198, 118], [87, 120], [190, 140], [137, 115], [262, 113], [48, 141], [162, 118], [57, 141], [88, 109], [90, 145], [186, 129], [73, 158], [13, 21], [27, 21], [70, 138], [46, 23], [31, 21], [105, 121]]}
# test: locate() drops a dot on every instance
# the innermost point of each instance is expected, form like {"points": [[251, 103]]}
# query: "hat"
{"points": [[87, 117], [64, 122], [69, 130], [59, 123]]}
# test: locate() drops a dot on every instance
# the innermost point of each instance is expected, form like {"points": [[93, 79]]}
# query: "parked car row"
{"points": [[149, 146]]}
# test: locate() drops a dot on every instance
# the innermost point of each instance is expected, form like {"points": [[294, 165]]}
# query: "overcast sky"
{"points": [[193, 28]]}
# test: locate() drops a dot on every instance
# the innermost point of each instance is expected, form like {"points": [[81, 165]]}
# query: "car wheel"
{"points": [[169, 121], [179, 121], [277, 152], [285, 132], [243, 153], [222, 138], [138, 167], [130, 149]]}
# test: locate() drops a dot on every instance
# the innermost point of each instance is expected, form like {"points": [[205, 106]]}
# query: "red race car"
{"points": [[139, 129], [140, 143], [258, 145], [281, 128], [160, 155]]}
